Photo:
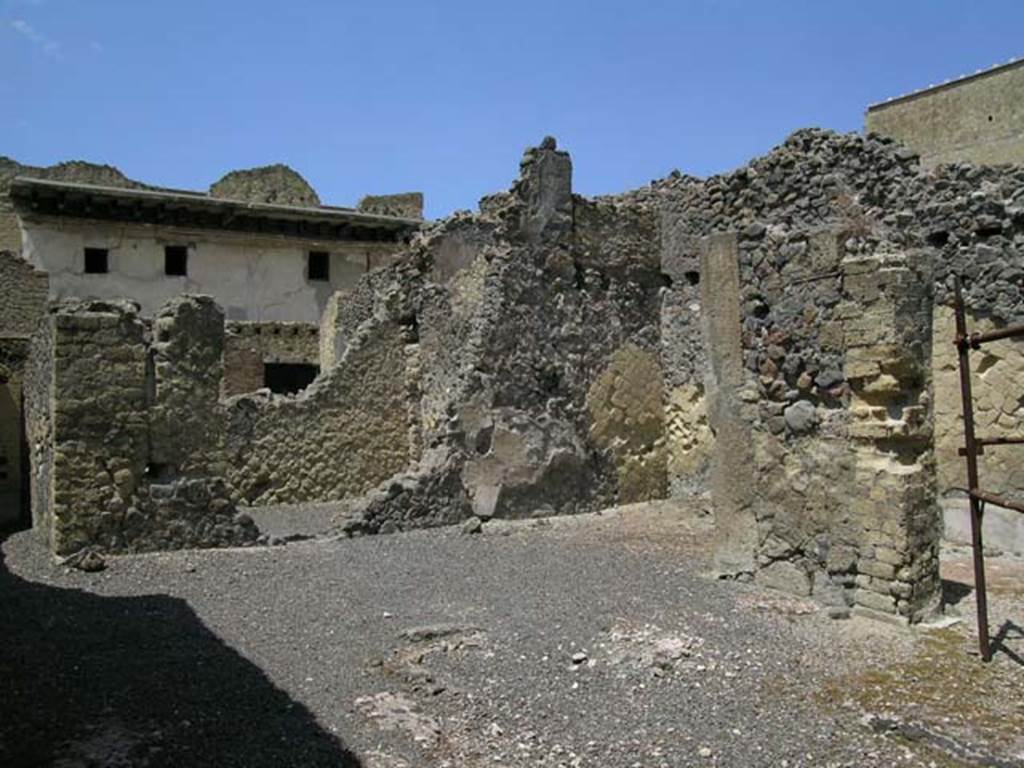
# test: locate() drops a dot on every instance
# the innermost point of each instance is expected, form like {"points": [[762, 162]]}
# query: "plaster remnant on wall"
{"points": [[627, 420], [688, 439]]}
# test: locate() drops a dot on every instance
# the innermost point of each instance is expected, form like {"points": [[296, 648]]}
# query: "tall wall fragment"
{"points": [[118, 437], [540, 388], [24, 290], [823, 476], [762, 335]]}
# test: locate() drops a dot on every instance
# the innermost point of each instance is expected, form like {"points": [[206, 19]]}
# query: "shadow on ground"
{"points": [[126, 681], [953, 592], [1001, 641]]}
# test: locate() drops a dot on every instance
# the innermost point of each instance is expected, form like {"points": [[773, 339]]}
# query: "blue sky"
{"points": [[379, 96]]}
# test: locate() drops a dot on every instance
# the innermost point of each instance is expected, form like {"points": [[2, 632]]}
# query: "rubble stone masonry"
{"points": [[104, 408], [247, 346], [24, 290], [764, 337]]}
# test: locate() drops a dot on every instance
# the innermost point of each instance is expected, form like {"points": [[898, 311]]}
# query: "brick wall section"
{"points": [[247, 346], [345, 433]]}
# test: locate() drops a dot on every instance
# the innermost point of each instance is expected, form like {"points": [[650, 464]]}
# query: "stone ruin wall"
{"points": [[466, 378], [963, 219], [524, 409], [247, 346], [822, 472], [406, 205], [346, 432], [25, 291], [554, 354], [133, 448], [97, 479]]}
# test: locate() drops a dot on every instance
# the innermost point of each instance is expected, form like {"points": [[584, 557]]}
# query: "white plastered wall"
{"points": [[253, 277]]}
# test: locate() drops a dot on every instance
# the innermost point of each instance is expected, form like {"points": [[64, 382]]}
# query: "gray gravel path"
{"points": [[587, 642]]}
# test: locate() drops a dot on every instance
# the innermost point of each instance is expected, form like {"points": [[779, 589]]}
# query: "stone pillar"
{"points": [[732, 465], [888, 365]]}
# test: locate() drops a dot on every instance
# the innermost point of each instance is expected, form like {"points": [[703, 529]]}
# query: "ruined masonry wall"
{"points": [[106, 410], [25, 291], [962, 219], [133, 449], [247, 346], [345, 433], [832, 398], [540, 387]]}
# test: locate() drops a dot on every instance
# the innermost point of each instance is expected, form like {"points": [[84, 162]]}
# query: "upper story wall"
{"points": [[74, 170], [254, 278], [248, 238], [979, 119]]}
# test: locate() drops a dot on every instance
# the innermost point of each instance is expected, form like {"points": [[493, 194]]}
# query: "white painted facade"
{"points": [[257, 278]]}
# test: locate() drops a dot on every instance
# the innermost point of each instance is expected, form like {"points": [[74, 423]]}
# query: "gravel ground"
{"points": [[590, 641]]}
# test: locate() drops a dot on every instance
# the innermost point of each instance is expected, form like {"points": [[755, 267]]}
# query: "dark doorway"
{"points": [[25, 461], [288, 378], [14, 470]]}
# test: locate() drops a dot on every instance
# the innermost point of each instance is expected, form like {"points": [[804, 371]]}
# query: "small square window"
{"points": [[319, 267], [175, 260], [97, 261]]}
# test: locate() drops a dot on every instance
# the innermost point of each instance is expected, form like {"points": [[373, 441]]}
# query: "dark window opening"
{"points": [[990, 118], [693, 277], [97, 261], [319, 267], [159, 472], [288, 378], [989, 229], [175, 260], [579, 277], [938, 239]]}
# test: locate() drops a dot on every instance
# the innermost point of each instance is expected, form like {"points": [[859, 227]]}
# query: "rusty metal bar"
{"points": [[981, 442], [1009, 332], [1000, 440], [999, 501], [963, 345]]}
